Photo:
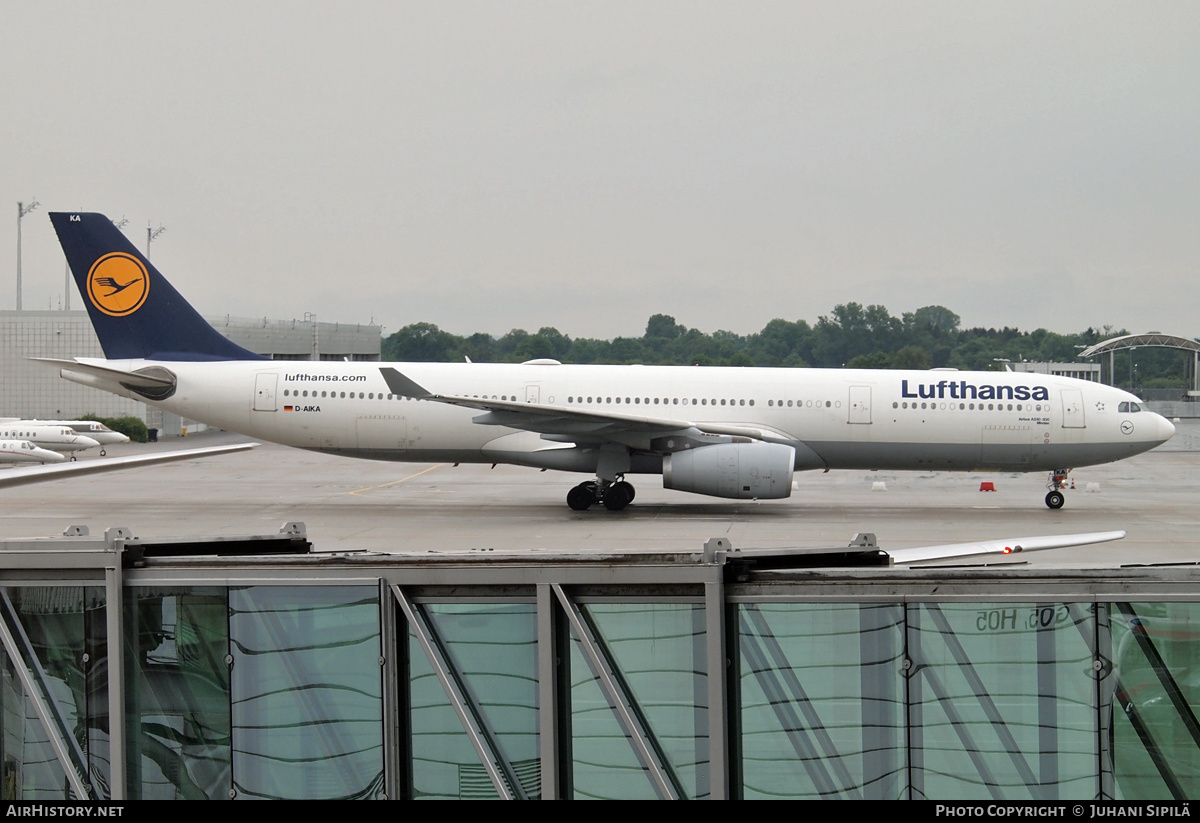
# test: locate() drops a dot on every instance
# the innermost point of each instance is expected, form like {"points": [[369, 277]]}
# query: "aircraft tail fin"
{"points": [[136, 313]]}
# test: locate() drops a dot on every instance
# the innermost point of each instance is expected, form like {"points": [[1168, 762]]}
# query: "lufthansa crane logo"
{"points": [[118, 284]]}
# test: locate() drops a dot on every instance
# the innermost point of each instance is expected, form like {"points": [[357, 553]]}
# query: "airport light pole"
{"points": [[22, 210], [151, 234]]}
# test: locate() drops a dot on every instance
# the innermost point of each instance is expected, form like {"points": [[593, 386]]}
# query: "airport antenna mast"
{"points": [[22, 210], [151, 234]]}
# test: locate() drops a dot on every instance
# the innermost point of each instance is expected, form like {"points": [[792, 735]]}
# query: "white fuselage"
{"points": [[46, 435], [22, 451], [99, 432], [835, 418]]}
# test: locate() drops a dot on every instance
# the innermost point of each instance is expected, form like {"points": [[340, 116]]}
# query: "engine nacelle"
{"points": [[737, 470]]}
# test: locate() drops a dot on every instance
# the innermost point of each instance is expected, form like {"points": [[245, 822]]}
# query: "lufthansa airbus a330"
{"points": [[726, 432]]}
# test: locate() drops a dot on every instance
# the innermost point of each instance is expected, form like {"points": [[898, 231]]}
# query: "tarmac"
{"points": [[356, 505]]}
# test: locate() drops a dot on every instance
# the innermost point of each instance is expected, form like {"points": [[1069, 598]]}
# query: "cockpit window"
{"points": [[1129, 407]]}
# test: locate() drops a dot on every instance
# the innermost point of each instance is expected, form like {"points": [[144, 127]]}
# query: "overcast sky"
{"points": [[489, 166]]}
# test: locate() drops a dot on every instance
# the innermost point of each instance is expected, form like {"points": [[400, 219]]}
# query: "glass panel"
{"points": [[47, 624], [1003, 701], [492, 649], [604, 765], [307, 692], [821, 699], [1156, 652], [96, 666], [178, 693], [658, 649], [31, 771]]}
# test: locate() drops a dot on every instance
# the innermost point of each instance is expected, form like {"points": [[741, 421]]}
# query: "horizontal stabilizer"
{"points": [[127, 378]]}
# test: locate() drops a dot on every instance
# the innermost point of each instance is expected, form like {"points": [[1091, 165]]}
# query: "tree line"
{"points": [[850, 336]]}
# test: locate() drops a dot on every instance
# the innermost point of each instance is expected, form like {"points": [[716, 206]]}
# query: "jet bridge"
{"points": [[255, 667]]}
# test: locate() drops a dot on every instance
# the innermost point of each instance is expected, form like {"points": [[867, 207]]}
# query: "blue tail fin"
{"points": [[135, 311]]}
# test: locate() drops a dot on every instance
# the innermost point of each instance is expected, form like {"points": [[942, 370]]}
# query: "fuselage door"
{"points": [[1072, 400], [860, 404], [533, 393], [264, 391]]}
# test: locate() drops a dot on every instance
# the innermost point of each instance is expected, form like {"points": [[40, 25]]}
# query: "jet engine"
{"points": [[737, 470]]}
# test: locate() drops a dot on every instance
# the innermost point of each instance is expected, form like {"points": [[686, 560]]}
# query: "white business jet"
{"points": [[22, 451], [61, 439], [97, 431]]}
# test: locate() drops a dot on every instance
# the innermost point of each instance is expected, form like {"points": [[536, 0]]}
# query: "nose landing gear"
{"points": [[1058, 480]]}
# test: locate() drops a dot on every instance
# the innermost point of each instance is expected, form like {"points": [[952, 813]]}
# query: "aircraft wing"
{"points": [[587, 425], [25, 475], [1014, 545]]}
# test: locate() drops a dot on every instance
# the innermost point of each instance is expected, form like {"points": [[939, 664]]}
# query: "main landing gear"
{"points": [[1058, 481], [614, 496]]}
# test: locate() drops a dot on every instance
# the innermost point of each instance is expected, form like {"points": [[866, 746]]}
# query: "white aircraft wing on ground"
{"points": [[1013, 545], [26, 475]]}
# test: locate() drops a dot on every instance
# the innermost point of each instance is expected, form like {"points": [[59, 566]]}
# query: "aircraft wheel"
{"points": [[617, 496], [628, 488], [1055, 500], [582, 497], [103, 452], [73, 458]]}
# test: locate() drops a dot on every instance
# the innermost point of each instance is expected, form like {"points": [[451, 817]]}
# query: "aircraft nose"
{"points": [[1166, 429]]}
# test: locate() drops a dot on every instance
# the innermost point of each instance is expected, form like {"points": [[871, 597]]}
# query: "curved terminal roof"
{"points": [[1128, 341]]}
